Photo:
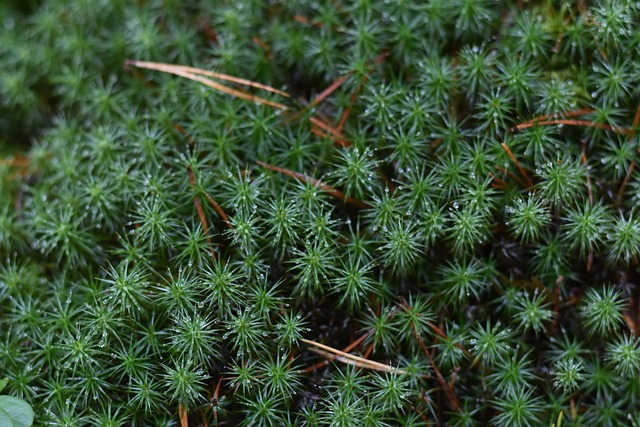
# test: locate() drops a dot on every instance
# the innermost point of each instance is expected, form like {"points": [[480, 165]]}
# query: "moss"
{"points": [[445, 189]]}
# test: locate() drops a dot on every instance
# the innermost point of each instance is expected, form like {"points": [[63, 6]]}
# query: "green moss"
{"points": [[460, 208]]}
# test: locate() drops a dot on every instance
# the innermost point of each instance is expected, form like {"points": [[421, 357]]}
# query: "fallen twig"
{"points": [[350, 359]]}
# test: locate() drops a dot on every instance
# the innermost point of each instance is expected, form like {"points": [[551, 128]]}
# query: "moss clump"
{"points": [[445, 189]]}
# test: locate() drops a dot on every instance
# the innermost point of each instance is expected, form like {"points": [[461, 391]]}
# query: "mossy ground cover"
{"points": [[405, 213]]}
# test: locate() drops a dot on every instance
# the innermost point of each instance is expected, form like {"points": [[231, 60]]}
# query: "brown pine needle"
{"points": [[203, 218], [304, 178], [354, 344], [444, 336], [520, 168], [233, 92], [564, 122], [346, 350], [369, 350], [178, 71], [329, 90], [435, 329], [261, 43], [304, 20], [169, 68], [630, 322], [350, 359], [560, 115]]}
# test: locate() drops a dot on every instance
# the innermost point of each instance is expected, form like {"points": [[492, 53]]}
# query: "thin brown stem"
{"points": [[322, 134], [324, 126], [183, 414], [630, 136], [515, 178], [329, 90], [304, 178], [636, 122], [352, 101], [636, 304], [210, 33], [184, 133], [215, 399], [453, 399], [218, 209], [201, 215], [564, 122], [589, 189], [304, 20], [625, 182], [520, 168], [500, 183], [348, 358], [566, 115]]}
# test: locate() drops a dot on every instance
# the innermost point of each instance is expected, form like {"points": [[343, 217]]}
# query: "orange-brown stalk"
{"points": [[583, 157], [630, 136], [555, 116], [304, 178], [501, 184], [453, 399], [182, 411], [451, 396], [515, 178], [322, 125], [203, 218], [329, 90], [636, 122], [585, 123], [520, 168], [218, 209]]}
